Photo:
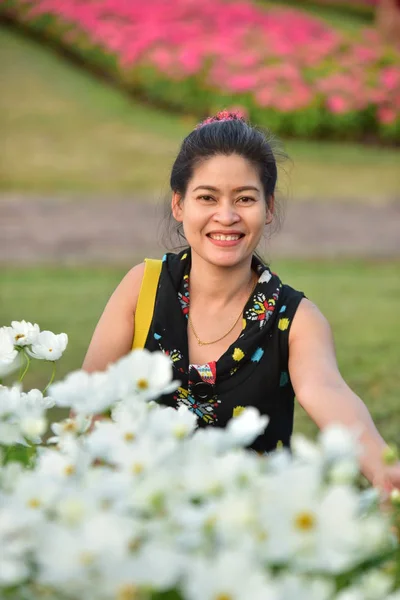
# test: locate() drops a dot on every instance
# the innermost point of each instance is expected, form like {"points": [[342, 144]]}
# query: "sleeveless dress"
{"points": [[254, 369]]}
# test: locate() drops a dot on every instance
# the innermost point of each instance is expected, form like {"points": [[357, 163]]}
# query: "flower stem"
{"points": [[51, 378], [28, 362]]}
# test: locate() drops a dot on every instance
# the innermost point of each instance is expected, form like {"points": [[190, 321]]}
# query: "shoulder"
{"points": [[309, 322], [290, 296], [135, 275], [287, 306], [127, 292]]}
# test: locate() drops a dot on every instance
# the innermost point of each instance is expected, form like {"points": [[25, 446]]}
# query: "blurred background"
{"points": [[95, 99]]}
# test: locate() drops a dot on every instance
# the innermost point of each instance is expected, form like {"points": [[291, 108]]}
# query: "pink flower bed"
{"points": [[281, 65]]}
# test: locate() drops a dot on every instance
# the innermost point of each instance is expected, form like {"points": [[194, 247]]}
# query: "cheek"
{"points": [[259, 219], [196, 217]]}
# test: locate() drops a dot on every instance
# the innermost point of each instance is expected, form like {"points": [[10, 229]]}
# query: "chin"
{"points": [[226, 259]]}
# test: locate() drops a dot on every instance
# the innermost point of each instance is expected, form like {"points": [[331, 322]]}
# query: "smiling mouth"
{"points": [[225, 237]]}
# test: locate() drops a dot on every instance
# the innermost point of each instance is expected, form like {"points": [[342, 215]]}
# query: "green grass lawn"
{"points": [[63, 131], [346, 18], [360, 299]]}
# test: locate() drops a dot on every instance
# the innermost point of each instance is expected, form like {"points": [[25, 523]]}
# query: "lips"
{"points": [[225, 235], [225, 240]]}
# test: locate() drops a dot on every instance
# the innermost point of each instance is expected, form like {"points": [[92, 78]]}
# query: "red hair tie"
{"points": [[222, 115]]}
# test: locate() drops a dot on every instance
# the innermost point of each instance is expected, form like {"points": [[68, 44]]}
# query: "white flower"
{"points": [[70, 555], [23, 413], [71, 427], [35, 494], [33, 428], [34, 402], [293, 587], [235, 518], [15, 544], [344, 471], [9, 358], [85, 393], [10, 398], [375, 585], [230, 575], [144, 374], [351, 593], [244, 428], [338, 442], [9, 476], [48, 346], [10, 434], [169, 422], [105, 440], [24, 333], [146, 502], [305, 449], [62, 466], [155, 566], [290, 517], [143, 456]]}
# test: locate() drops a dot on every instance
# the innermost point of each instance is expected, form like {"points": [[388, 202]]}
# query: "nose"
{"points": [[226, 214]]}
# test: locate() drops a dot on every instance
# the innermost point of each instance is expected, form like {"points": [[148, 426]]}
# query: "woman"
{"points": [[235, 334]]}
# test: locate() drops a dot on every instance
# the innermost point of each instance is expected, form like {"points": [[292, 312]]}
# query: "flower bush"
{"points": [[144, 505], [286, 70]]}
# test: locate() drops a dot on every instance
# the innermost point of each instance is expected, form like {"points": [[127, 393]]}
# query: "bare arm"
{"points": [[323, 393], [113, 335]]}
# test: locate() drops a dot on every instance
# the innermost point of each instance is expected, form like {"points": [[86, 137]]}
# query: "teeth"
{"points": [[224, 237]]}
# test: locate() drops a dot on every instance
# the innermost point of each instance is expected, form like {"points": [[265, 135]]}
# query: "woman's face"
{"points": [[224, 210]]}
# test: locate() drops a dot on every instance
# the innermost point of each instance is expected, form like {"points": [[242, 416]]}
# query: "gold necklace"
{"points": [[200, 343]]}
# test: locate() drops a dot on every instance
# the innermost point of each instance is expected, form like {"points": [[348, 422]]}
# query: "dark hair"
{"points": [[227, 133]]}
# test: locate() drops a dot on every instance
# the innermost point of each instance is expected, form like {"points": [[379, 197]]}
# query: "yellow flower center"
{"points": [[69, 470], [180, 432], [129, 436], [305, 521], [128, 591], [86, 558], [223, 596], [142, 384], [134, 545], [209, 524], [69, 426], [34, 503], [19, 336], [137, 468], [262, 535], [50, 349]]}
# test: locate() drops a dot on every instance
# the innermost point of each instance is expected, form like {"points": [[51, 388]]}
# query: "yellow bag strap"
{"points": [[146, 301]]}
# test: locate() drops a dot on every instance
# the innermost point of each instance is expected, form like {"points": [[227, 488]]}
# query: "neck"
{"points": [[217, 286]]}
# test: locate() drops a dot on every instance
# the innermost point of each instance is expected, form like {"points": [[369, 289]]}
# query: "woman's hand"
{"points": [[388, 479]]}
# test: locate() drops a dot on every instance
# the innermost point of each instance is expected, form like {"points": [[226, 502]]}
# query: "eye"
{"points": [[206, 198], [246, 200]]}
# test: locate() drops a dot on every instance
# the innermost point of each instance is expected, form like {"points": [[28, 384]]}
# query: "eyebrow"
{"points": [[239, 189]]}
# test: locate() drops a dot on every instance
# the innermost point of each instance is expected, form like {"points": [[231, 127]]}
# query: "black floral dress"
{"points": [[254, 369]]}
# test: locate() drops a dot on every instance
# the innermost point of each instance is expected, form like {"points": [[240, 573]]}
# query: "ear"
{"points": [[176, 207], [270, 209]]}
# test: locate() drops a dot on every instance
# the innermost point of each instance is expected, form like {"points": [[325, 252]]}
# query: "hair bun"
{"points": [[223, 115]]}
